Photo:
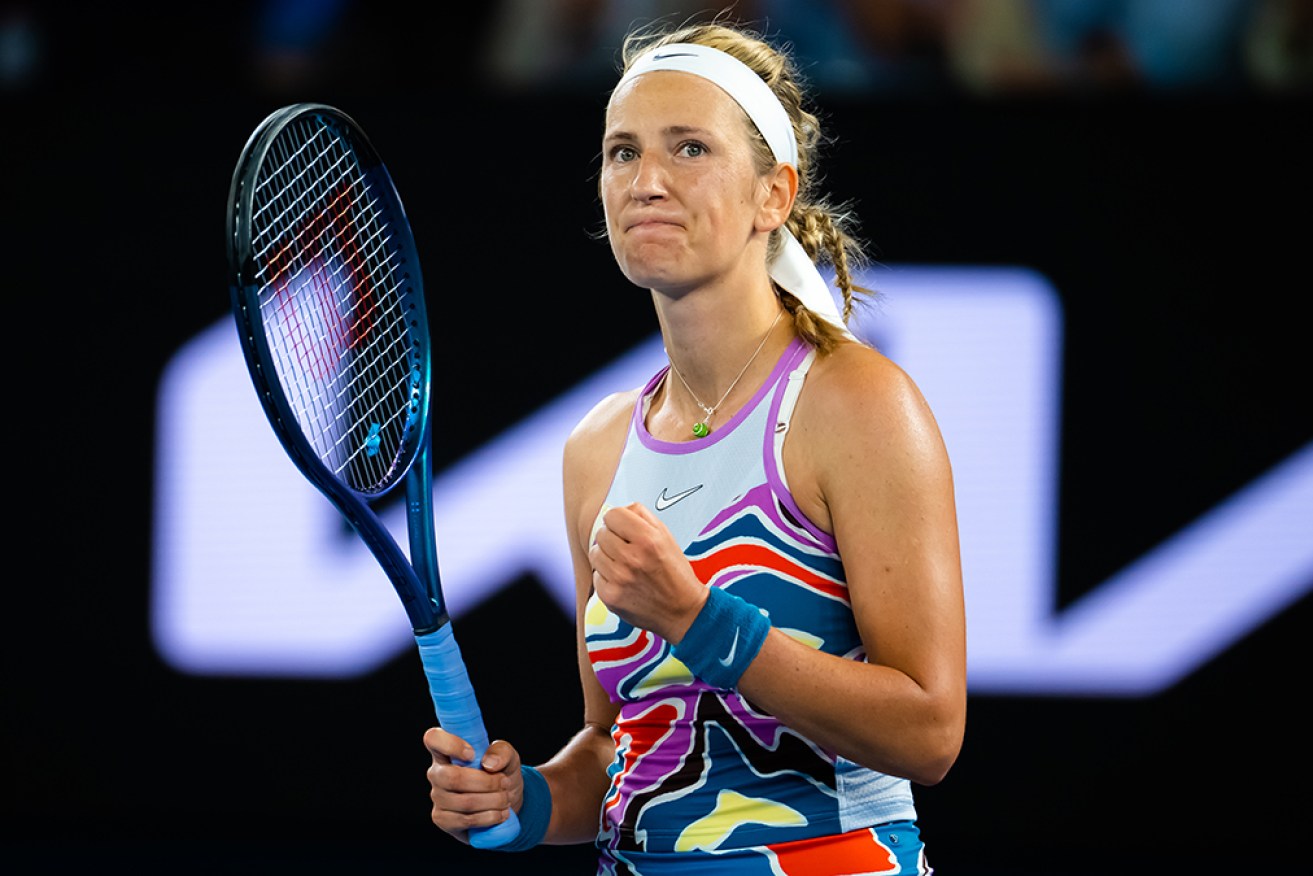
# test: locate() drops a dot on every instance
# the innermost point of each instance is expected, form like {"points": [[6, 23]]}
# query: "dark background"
{"points": [[1174, 225]]}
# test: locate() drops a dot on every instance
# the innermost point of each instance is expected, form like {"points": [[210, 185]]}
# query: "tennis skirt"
{"points": [[888, 849]]}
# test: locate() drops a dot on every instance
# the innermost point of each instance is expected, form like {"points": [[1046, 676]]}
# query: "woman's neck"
{"points": [[718, 360]]}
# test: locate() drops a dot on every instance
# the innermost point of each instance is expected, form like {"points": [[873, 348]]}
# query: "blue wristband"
{"points": [[535, 812], [724, 638]]}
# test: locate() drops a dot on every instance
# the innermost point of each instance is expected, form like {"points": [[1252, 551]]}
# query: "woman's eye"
{"points": [[623, 153], [693, 150]]}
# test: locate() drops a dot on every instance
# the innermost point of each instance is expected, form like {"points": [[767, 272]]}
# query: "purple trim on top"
{"points": [[692, 446], [636, 418], [772, 465]]}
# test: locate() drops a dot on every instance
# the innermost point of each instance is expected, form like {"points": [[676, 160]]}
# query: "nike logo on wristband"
{"points": [[733, 649], [663, 501]]}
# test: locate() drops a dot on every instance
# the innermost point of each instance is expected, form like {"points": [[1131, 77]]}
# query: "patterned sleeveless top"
{"points": [[700, 768]]}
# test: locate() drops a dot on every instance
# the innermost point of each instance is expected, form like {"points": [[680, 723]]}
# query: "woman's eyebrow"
{"points": [[669, 131]]}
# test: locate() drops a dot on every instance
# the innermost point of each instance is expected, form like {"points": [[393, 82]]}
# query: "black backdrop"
{"points": [[1176, 231]]}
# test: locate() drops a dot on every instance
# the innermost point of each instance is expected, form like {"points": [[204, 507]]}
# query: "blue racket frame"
{"points": [[416, 579]]}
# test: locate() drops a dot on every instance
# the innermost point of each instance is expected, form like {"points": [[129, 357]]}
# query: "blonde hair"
{"points": [[823, 229]]}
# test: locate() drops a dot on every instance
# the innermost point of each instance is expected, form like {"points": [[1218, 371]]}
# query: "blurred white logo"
{"points": [[255, 574]]}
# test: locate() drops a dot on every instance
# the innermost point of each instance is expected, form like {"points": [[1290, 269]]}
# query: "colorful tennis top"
{"points": [[699, 768]]}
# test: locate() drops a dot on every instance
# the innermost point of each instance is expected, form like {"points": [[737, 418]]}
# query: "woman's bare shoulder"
{"points": [[857, 380], [603, 423], [592, 449]]}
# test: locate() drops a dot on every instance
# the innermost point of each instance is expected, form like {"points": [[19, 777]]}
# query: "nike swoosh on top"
{"points": [[663, 501], [665, 55]]}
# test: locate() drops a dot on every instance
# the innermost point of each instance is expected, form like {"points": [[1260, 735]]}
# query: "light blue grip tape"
{"points": [[458, 713]]}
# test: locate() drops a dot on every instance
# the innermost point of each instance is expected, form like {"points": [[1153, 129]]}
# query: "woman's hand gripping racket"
{"points": [[329, 303]]}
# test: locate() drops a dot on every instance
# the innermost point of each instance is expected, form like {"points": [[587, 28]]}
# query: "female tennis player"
{"points": [[770, 611]]}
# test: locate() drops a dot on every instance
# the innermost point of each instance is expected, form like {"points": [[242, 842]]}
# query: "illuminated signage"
{"points": [[242, 543]]}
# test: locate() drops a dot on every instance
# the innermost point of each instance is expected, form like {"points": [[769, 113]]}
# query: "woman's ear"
{"points": [[781, 190]]}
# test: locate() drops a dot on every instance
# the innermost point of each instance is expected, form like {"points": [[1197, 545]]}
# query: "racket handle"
{"points": [[458, 713]]}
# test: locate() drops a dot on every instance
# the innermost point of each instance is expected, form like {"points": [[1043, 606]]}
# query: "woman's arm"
{"points": [[466, 797], [866, 461], [577, 774]]}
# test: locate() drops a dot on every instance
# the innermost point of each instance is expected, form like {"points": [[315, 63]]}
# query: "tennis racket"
{"points": [[329, 302]]}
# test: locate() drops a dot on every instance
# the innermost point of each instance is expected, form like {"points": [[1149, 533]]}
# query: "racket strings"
{"points": [[333, 303]]}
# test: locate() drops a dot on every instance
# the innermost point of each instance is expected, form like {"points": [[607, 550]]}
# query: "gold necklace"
{"points": [[700, 428]]}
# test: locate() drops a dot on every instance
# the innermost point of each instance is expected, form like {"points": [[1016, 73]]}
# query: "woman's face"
{"points": [[679, 190]]}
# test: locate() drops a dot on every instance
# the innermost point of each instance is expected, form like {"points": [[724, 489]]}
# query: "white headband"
{"points": [[792, 268], [736, 79]]}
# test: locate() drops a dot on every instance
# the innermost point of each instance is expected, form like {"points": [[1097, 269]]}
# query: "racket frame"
{"points": [[416, 579]]}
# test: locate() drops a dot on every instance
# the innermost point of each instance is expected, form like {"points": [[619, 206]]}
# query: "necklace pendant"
{"points": [[700, 430]]}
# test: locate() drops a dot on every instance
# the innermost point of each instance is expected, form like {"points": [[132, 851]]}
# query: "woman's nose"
{"points": [[649, 180]]}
